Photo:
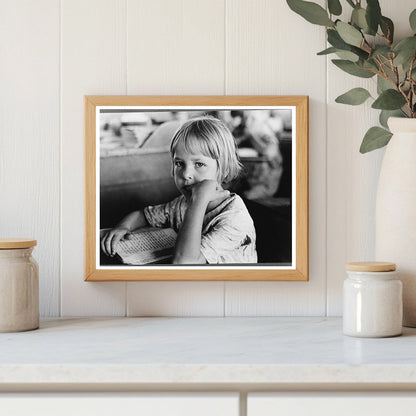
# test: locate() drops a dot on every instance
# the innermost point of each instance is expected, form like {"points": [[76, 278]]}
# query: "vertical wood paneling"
{"points": [[352, 182], [175, 299], [352, 177], [29, 135], [93, 62], [175, 47], [272, 51]]}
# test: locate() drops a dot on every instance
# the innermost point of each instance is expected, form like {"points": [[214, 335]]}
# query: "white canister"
{"points": [[372, 300], [19, 286]]}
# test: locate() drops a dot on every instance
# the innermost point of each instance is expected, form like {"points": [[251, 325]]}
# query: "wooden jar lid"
{"points": [[371, 266], [11, 243]]}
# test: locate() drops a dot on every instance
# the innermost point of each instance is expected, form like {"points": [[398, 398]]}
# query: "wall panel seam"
{"points": [[326, 180], [60, 17], [126, 59], [326, 185], [225, 49], [224, 293]]}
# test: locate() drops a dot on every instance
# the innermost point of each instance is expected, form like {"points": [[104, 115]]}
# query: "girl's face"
{"points": [[191, 168]]}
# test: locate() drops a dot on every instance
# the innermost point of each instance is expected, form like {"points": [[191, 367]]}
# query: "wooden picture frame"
{"points": [[102, 150]]}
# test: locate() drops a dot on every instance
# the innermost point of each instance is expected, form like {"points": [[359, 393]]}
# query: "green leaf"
{"points": [[327, 51], [381, 50], [387, 27], [370, 65], [355, 96], [389, 100], [412, 20], [405, 50], [311, 12], [334, 7], [352, 68], [358, 18], [347, 55], [386, 114], [361, 53], [375, 138], [349, 34], [373, 15], [350, 56], [383, 84], [336, 41], [405, 43]]}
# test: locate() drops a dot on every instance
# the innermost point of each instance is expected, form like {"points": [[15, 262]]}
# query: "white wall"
{"points": [[55, 52]]}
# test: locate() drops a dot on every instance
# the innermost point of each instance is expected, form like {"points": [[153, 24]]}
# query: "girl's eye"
{"points": [[199, 164], [178, 163]]}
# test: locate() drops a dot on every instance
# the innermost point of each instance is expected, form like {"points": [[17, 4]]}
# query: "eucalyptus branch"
{"points": [[386, 37], [380, 64], [370, 70], [406, 97], [412, 65], [395, 71], [413, 89], [368, 34], [384, 73], [412, 86], [386, 60], [366, 43], [389, 62], [383, 64]]}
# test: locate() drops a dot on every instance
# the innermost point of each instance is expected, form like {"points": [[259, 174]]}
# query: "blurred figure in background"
{"points": [[258, 131]]}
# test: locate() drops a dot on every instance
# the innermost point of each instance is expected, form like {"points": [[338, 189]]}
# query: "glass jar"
{"points": [[19, 286], [372, 300]]}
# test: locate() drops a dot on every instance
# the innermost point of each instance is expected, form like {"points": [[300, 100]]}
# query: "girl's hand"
{"points": [[110, 241], [208, 191]]}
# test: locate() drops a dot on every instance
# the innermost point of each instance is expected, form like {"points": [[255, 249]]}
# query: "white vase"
{"points": [[396, 210]]}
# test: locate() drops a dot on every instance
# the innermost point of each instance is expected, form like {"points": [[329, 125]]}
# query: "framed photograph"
{"points": [[196, 188]]}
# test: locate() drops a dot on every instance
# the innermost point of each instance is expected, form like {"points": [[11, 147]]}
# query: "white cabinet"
{"points": [[119, 404], [330, 404]]}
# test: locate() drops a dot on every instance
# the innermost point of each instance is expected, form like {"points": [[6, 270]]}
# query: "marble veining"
{"points": [[203, 350]]}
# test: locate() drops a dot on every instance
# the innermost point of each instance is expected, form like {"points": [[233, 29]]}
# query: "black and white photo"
{"points": [[190, 187]]}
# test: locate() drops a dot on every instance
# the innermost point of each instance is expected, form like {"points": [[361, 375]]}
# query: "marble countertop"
{"points": [[204, 351]]}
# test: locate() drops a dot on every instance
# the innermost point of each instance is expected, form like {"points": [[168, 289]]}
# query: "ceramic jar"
{"points": [[19, 286], [372, 300]]}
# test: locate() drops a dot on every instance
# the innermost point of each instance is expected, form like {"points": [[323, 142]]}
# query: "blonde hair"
{"points": [[213, 139]]}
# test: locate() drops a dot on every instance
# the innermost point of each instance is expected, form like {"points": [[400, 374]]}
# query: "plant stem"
{"points": [[412, 88], [388, 33], [395, 72], [406, 97], [384, 73]]}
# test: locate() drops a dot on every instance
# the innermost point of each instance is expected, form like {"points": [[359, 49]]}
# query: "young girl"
{"points": [[213, 224]]}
